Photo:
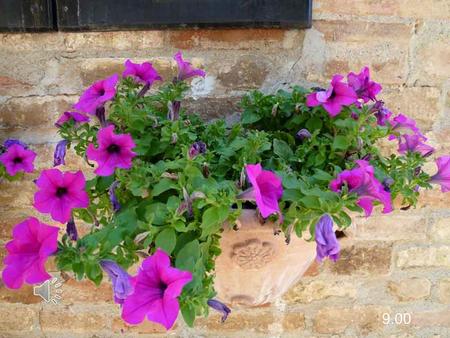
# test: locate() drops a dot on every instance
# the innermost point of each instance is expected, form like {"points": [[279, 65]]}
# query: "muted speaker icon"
{"points": [[49, 290]]}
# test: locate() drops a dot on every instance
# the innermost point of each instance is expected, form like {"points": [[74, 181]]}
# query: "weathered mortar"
{"points": [[396, 264]]}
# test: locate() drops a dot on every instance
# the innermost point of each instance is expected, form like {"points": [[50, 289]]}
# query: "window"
{"points": [[73, 15]]}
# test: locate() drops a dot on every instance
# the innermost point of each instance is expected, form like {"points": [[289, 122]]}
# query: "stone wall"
{"points": [[398, 263]]}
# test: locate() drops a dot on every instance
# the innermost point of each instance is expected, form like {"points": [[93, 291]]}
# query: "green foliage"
{"points": [[180, 204]]}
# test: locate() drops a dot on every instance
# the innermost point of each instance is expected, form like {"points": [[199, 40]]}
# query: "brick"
{"points": [[59, 318], [24, 295], [348, 48], [32, 135], [246, 72], [308, 291], [17, 194], [90, 42], [359, 31], [422, 104], [362, 259], [444, 291], [431, 52], [44, 160], [33, 111], [395, 226], [254, 321], [434, 199], [431, 318], [440, 231], [256, 38], [119, 326], [410, 289], [86, 292], [335, 320], [402, 8], [293, 321], [10, 86], [424, 257], [14, 318]]}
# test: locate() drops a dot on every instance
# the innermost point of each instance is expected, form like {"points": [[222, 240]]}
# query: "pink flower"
{"points": [[402, 124], [59, 193], [157, 286], [185, 69], [413, 143], [67, 116], [114, 151], [362, 181], [33, 242], [442, 177], [17, 158], [334, 98], [143, 73], [97, 94], [266, 189], [363, 86]]}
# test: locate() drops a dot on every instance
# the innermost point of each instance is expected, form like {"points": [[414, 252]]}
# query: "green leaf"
{"points": [[94, 272], [213, 218], [292, 195], [188, 313], [340, 142], [249, 117], [166, 240], [188, 256], [314, 123], [162, 186], [282, 149]]}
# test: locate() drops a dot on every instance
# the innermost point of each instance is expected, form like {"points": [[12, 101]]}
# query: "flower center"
{"points": [[61, 191], [162, 286], [113, 149], [17, 160], [101, 92]]}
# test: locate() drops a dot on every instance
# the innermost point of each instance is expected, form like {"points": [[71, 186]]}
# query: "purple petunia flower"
{"points": [[33, 242], [442, 177], [17, 158], [112, 196], [74, 116], [303, 134], [221, 307], [402, 124], [114, 151], [59, 193], [327, 243], [413, 143], [339, 94], [185, 69], [9, 142], [122, 282], [363, 86], [362, 181], [96, 95], [197, 148], [266, 189], [60, 153], [143, 73], [71, 230], [381, 113], [157, 288]]}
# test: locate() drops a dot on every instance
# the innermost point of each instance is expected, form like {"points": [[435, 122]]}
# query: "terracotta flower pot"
{"points": [[256, 266]]}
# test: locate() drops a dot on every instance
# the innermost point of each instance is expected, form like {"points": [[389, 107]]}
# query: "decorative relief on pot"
{"points": [[252, 254]]}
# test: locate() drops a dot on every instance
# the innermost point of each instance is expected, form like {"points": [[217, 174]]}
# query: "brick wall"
{"points": [[390, 264]]}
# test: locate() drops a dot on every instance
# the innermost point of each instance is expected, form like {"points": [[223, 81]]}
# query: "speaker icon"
{"points": [[49, 290]]}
